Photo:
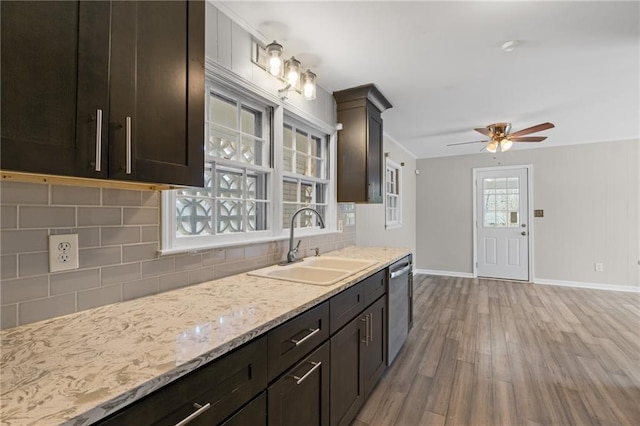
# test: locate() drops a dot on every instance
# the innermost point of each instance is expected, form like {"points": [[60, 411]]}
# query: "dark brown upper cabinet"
{"points": [[109, 90], [360, 157]]}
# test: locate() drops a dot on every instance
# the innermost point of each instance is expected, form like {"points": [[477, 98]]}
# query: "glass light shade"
{"points": [[493, 146], [292, 71], [274, 58], [505, 145], [309, 85]]}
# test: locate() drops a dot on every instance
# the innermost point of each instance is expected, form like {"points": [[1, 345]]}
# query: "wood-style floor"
{"points": [[485, 352]]}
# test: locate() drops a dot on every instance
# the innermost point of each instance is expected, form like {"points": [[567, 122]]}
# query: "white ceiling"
{"points": [[441, 66]]}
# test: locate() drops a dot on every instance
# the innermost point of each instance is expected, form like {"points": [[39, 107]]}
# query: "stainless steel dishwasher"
{"points": [[399, 304]]}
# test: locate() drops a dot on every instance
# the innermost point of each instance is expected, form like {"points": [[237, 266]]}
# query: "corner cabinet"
{"points": [[360, 147], [108, 90]]}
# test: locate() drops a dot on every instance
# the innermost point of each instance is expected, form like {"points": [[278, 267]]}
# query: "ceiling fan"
{"points": [[501, 139]]}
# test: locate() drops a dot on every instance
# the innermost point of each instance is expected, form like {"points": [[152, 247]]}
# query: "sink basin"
{"points": [[315, 270]]}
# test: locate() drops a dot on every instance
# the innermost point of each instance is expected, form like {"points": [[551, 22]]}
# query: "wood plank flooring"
{"points": [[485, 352]]}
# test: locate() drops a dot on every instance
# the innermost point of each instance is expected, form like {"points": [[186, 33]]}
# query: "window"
{"points": [[304, 174], [244, 177], [501, 202], [393, 202]]}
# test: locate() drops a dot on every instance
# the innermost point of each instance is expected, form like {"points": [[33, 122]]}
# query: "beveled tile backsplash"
{"points": [[118, 234]]}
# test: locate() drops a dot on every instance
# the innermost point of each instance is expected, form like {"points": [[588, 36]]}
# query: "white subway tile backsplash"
{"points": [[118, 233]]}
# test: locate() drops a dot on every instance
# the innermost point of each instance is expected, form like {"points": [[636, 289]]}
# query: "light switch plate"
{"points": [[63, 252]]}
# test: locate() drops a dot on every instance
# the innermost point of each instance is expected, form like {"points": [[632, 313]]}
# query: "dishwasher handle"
{"points": [[402, 271]]}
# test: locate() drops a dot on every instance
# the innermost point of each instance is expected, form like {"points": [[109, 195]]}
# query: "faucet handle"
{"points": [[297, 246], [317, 251]]}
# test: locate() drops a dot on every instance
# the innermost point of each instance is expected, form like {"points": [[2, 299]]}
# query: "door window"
{"points": [[501, 203]]}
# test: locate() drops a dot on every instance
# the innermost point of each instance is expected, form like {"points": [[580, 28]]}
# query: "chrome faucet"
{"points": [[291, 256]]}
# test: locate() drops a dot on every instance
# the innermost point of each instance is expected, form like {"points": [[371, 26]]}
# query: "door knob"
{"points": [[523, 233]]}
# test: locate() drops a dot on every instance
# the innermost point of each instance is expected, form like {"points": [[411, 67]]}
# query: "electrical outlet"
{"points": [[599, 267], [340, 226], [63, 252]]}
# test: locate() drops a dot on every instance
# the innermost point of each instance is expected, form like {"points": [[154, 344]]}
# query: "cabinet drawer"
{"points": [[345, 306], [226, 384], [288, 343], [374, 287]]}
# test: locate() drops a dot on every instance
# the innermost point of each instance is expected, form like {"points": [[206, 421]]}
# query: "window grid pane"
{"points": [[501, 202]]}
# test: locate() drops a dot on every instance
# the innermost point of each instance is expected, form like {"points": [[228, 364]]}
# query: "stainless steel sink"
{"points": [[315, 270]]}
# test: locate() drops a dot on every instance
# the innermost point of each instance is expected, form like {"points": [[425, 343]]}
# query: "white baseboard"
{"points": [[443, 273], [542, 281], [592, 286]]}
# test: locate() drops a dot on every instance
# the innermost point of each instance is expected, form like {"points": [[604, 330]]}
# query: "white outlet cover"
{"points": [[57, 247]]}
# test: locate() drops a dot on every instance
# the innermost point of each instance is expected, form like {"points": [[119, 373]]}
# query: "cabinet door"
{"points": [[374, 155], [157, 92], [253, 414], [301, 395], [347, 380], [54, 79], [374, 353]]}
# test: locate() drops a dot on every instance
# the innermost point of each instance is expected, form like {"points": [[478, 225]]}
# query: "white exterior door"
{"points": [[502, 242]]}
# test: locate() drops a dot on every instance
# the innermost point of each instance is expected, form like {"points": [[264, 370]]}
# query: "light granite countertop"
{"points": [[79, 368]]}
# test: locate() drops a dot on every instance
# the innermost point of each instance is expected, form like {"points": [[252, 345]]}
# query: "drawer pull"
{"points": [[365, 320], [128, 145], [98, 140], [201, 409], [299, 380], [305, 338], [371, 327]]}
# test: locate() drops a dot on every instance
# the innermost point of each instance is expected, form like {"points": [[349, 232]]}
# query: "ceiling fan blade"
{"points": [[465, 143], [484, 131], [537, 128], [528, 138]]}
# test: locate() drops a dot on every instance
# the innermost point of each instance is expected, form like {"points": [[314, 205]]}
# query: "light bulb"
{"points": [[493, 146], [274, 53], [292, 71], [505, 144], [275, 65], [309, 85]]}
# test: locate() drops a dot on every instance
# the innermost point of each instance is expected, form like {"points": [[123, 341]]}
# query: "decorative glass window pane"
{"points": [[222, 143], [195, 216], [501, 202]]}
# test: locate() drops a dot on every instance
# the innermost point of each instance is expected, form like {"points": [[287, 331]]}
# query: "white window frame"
{"points": [[396, 169], [275, 175]]}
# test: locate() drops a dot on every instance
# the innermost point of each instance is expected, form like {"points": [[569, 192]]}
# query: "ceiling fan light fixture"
{"points": [[505, 145], [492, 146]]}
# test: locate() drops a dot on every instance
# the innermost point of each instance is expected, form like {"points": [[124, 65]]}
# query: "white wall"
{"points": [[370, 218], [589, 194]]}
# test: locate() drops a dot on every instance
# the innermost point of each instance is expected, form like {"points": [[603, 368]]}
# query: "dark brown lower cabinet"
{"points": [[358, 359], [301, 395], [253, 414], [215, 391], [374, 353]]}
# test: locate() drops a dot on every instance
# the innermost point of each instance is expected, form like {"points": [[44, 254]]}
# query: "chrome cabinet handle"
{"points": [[201, 409], [371, 327], [128, 142], [299, 380], [397, 273], [98, 140], [365, 320], [305, 338]]}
